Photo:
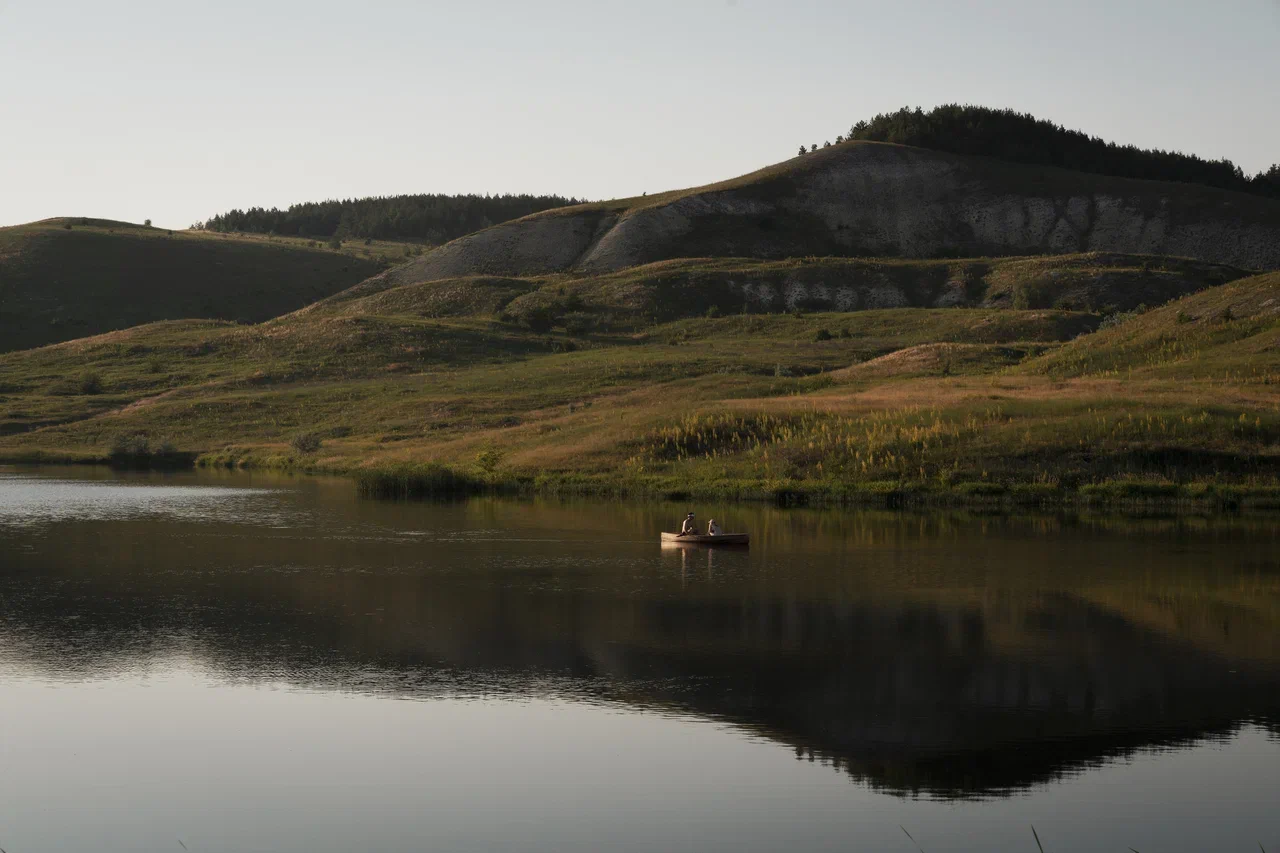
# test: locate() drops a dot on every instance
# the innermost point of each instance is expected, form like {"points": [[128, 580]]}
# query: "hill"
{"points": [[426, 218], [990, 402], [67, 278], [637, 297], [1233, 330], [877, 199], [1022, 138], [865, 322]]}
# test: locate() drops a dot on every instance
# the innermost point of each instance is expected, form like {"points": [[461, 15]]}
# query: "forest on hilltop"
{"points": [[429, 218], [1023, 138]]}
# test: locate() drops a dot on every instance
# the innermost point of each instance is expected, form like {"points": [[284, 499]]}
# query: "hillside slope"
{"points": [[637, 297], [1178, 401], [62, 279], [1229, 331], [866, 198]]}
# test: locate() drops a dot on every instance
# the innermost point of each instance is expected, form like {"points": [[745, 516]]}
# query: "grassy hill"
{"points": [[1022, 138], [637, 297], [430, 218], [868, 321], [1228, 332], [986, 402], [870, 199], [67, 278]]}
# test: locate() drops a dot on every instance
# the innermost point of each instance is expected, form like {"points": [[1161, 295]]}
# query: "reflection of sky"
{"points": [[29, 500], [178, 712], [175, 754]]}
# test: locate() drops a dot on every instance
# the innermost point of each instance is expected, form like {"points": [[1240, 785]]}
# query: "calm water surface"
{"points": [[234, 662]]}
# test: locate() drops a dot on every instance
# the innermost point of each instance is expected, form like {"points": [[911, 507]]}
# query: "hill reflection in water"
{"points": [[949, 654]]}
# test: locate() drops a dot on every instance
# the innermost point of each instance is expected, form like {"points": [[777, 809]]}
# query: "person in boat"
{"points": [[713, 529], [690, 527]]}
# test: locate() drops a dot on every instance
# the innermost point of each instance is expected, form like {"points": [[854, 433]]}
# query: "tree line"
{"points": [[1023, 138], [428, 218]]}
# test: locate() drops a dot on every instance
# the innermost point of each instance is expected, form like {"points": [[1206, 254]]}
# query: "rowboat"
{"points": [[704, 539]]}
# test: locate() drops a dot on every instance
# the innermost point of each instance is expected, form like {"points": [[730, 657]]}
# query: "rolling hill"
{"points": [[877, 199], [664, 291], [870, 404], [1034, 334], [67, 278]]}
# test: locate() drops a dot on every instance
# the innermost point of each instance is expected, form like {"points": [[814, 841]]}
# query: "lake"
{"points": [[235, 662]]}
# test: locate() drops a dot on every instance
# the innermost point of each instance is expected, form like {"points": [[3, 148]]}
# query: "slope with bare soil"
{"points": [[864, 198]]}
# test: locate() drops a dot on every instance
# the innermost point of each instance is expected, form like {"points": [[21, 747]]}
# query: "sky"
{"points": [[174, 112]]}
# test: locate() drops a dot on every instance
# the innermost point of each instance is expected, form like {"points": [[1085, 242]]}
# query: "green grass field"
{"points": [[62, 279], [957, 404]]}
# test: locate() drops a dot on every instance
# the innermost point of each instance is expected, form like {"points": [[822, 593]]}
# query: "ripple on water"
{"points": [[27, 501]]}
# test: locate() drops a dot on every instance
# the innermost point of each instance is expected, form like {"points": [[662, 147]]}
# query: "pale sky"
{"points": [[174, 111]]}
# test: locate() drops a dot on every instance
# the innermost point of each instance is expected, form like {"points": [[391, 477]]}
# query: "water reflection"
{"points": [[950, 654]]}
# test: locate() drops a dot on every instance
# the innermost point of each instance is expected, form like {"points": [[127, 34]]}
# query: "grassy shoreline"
{"points": [[1178, 405], [429, 481]]}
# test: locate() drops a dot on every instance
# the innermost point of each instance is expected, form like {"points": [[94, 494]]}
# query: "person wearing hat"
{"points": [[690, 527]]}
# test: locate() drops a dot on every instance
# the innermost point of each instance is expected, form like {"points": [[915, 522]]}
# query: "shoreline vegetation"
{"points": [[1173, 406], [436, 481]]}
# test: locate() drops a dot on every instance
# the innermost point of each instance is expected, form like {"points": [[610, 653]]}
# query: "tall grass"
{"points": [[418, 481]]}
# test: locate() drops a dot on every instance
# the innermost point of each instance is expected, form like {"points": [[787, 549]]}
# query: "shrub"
{"points": [[1227, 315], [823, 335], [1029, 295], [306, 442], [1183, 317], [147, 223], [335, 243], [135, 450], [542, 318], [90, 383], [845, 334], [1112, 320], [130, 446], [1130, 490], [406, 482], [578, 323], [489, 459], [713, 312]]}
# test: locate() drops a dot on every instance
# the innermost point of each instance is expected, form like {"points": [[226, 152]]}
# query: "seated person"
{"points": [[713, 529], [690, 527]]}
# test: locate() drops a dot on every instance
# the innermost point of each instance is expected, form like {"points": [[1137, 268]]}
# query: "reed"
{"points": [[418, 481]]}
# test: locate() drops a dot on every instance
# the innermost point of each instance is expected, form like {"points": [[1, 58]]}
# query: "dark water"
{"points": [[248, 663]]}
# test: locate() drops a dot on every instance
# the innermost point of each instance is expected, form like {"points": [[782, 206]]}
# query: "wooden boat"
{"points": [[704, 539]]}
